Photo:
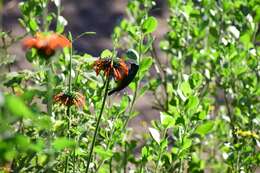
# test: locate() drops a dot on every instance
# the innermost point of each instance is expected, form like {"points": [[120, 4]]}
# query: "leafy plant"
{"points": [[70, 112]]}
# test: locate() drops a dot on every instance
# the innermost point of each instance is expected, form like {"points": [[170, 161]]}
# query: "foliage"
{"points": [[204, 75]]}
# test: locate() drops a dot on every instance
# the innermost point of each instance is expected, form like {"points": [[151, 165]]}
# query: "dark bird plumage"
{"points": [[126, 80]]}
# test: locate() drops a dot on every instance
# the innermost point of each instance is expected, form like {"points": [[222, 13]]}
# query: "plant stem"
{"points": [[160, 152], [68, 135], [74, 160], [180, 168], [97, 125], [58, 15], [136, 83], [45, 15], [110, 165], [125, 157], [108, 145], [69, 107], [70, 67], [231, 117], [5, 47], [163, 76], [49, 91]]}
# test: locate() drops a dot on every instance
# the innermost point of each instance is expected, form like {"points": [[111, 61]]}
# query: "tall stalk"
{"points": [[134, 96], [49, 89], [136, 83], [97, 125], [69, 107]]}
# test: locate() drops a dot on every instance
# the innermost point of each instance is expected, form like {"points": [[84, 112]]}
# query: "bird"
{"points": [[126, 79]]}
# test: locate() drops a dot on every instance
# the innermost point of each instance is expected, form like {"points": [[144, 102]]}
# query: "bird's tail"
{"points": [[112, 92]]}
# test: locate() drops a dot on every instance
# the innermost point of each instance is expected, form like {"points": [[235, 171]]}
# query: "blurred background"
{"points": [[83, 15]]}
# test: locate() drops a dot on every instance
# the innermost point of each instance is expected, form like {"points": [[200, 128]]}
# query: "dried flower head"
{"points": [[70, 99], [46, 43], [115, 68]]}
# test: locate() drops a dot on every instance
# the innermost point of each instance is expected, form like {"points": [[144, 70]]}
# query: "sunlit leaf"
{"points": [[155, 134], [149, 25], [104, 154], [205, 128], [62, 143]]}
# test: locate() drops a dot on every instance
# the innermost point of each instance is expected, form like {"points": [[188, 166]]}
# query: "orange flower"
{"points": [[46, 43], [67, 99], [117, 68]]}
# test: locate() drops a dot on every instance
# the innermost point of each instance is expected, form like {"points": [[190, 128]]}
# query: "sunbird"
{"points": [[121, 84]]}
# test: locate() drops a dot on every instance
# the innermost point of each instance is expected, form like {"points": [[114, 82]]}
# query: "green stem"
{"points": [[49, 110], [180, 168], [160, 153], [136, 84], [110, 165], [125, 158], [70, 67], [158, 161], [74, 160], [5, 51], [68, 135], [231, 117], [69, 108], [108, 145], [97, 125], [49, 91], [45, 15], [163, 76]]}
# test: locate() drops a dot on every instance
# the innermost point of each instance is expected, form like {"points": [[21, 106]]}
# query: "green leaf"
{"points": [[23, 142], [132, 54], [106, 54], [164, 45], [33, 24], [202, 115], [84, 34], [104, 154], [124, 103], [62, 143], [38, 146], [193, 103], [186, 143], [204, 128], [155, 134], [62, 22], [143, 90], [195, 80], [145, 64], [43, 122], [149, 25], [31, 54], [167, 120], [145, 152], [246, 40], [17, 107], [185, 88], [13, 79]]}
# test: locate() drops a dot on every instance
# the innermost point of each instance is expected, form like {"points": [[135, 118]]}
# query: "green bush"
{"points": [[204, 76]]}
